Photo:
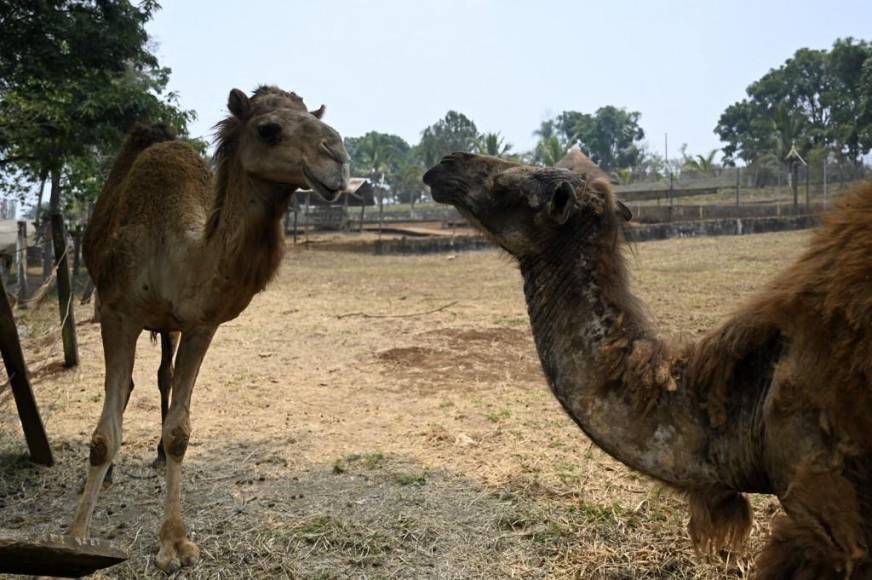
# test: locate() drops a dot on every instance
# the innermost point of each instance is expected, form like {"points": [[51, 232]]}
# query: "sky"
{"points": [[399, 66]]}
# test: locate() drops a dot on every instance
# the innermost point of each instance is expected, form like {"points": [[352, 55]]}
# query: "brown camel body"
{"points": [[175, 250], [774, 401]]}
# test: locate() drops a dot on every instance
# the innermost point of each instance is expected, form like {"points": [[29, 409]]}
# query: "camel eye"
{"points": [[270, 132]]}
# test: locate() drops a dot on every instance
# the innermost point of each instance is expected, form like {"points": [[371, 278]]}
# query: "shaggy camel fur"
{"points": [[175, 250], [776, 401]]}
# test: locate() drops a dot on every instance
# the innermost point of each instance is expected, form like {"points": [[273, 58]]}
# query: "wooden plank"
{"points": [[65, 292], [649, 194], [55, 555], [28, 412]]}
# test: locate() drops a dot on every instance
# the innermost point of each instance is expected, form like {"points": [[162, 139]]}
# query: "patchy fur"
{"points": [[719, 518], [776, 400]]}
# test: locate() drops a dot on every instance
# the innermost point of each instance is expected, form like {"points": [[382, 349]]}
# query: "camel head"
{"points": [[524, 208], [277, 139]]}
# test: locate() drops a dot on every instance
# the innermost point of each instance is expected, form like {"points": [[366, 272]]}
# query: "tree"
{"points": [[75, 75], [376, 154], [493, 144], [609, 137], [388, 158], [817, 98], [454, 132], [549, 151], [406, 182], [702, 164], [851, 66]]}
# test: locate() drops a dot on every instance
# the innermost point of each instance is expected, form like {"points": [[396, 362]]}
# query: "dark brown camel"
{"points": [[173, 249], [777, 400]]}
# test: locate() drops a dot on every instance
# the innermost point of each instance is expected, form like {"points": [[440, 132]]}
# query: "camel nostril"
{"points": [[331, 153]]}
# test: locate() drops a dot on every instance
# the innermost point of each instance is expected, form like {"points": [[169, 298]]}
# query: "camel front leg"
{"points": [[176, 549], [119, 350]]}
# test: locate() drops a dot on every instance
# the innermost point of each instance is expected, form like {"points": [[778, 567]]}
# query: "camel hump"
{"points": [[143, 135], [139, 138]]}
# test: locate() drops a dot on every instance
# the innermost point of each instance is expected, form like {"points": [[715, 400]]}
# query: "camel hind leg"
{"points": [[119, 349], [168, 343]]}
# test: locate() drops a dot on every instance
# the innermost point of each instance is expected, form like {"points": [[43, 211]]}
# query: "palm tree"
{"points": [[702, 164], [493, 144], [787, 127], [550, 150], [374, 154]]}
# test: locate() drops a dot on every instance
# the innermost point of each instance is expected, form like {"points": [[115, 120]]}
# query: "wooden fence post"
{"points": [[46, 248], [381, 211], [65, 292], [77, 251], [21, 263], [28, 412]]}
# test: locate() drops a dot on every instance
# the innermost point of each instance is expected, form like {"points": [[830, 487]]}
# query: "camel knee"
{"points": [[175, 439], [102, 448]]}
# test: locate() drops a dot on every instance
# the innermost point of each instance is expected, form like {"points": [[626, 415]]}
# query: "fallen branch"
{"points": [[409, 315], [38, 297]]}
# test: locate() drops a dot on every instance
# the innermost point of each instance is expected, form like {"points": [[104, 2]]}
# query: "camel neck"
{"points": [[247, 229], [605, 366]]}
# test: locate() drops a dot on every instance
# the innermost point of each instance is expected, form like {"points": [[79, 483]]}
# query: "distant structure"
{"points": [[326, 215], [577, 161]]}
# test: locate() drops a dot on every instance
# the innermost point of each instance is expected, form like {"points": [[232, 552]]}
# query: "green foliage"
{"points": [[493, 144], [549, 151], [381, 156], [455, 132], [75, 75], [702, 164], [610, 136], [817, 98]]}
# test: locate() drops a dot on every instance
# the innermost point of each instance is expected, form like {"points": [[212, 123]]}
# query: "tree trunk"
{"points": [[36, 216], [65, 293]]}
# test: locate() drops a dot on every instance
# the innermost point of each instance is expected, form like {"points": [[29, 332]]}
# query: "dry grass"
{"points": [[421, 446]]}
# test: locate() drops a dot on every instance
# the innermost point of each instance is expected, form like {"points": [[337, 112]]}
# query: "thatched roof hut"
{"points": [[577, 161]]}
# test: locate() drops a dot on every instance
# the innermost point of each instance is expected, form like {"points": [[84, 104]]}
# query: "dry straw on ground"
{"points": [[396, 447]]}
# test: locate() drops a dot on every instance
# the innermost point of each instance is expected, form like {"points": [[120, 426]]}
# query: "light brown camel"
{"points": [[777, 400], [173, 249]]}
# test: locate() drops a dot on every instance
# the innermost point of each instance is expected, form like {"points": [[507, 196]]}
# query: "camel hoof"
{"points": [[169, 565], [190, 554], [174, 555]]}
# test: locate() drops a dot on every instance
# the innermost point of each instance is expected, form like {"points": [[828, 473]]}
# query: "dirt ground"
{"points": [[382, 417]]}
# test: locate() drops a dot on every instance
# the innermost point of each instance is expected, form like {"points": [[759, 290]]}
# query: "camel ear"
{"points": [[319, 112], [623, 210], [562, 203], [239, 104]]}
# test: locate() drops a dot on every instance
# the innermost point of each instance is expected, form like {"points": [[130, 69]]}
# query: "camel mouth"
{"points": [[328, 193], [444, 187]]}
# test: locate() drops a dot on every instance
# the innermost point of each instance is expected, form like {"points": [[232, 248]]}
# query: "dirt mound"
{"points": [[450, 357]]}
